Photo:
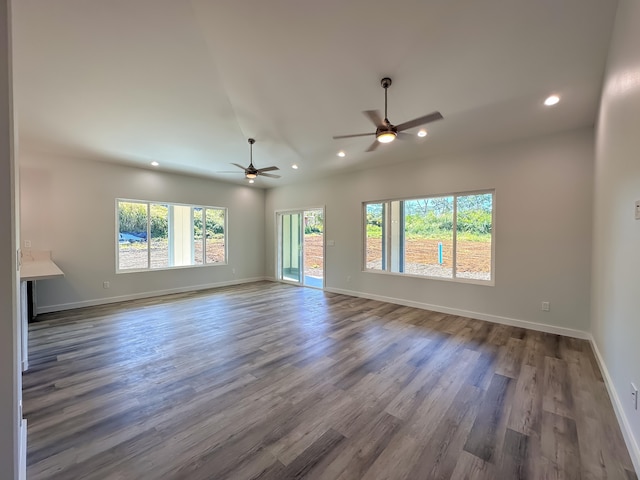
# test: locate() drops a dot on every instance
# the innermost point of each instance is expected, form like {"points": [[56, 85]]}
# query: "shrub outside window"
{"points": [[447, 237], [154, 235]]}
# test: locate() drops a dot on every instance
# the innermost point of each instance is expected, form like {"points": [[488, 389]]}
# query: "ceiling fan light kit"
{"points": [[386, 132], [386, 137]]}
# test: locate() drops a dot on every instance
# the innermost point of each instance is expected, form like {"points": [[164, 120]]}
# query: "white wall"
{"points": [[616, 235], [10, 379], [68, 207], [542, 228]]}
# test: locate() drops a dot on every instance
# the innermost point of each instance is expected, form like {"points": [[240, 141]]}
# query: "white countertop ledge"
{"points": [[39, 266]]}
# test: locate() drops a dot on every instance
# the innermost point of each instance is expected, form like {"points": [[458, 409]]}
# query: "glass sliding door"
{"points": [[301, 247], [291, 267]]}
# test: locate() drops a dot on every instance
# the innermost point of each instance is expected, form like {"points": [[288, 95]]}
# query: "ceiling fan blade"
{"points": [[432, 117], [373, 146], [267, 169], [270, 175], [239, 166], [355, 135], [375, 117]]}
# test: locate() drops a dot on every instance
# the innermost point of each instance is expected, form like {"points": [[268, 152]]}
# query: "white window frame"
{"points": [[153, 202], [387, 244]]}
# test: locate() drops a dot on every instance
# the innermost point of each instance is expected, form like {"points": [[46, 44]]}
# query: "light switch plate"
{"points": [[637, 209]]}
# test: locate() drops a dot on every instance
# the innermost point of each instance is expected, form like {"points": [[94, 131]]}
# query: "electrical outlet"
{"points": [[545, 306], [233, 270], [634, 396], [105, 285]]}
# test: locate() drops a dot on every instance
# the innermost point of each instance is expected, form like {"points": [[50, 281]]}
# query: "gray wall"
{"points": [[616, 234], [542, 229], [68, 207]]}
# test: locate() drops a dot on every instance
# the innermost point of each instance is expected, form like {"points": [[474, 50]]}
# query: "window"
{"points": [[166, 235], [375, 258], [448, 237]]}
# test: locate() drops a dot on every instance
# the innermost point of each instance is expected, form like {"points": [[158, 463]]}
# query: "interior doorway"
{"points": [[301, 247]]}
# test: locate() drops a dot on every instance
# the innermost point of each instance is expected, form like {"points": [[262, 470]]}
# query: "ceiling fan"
{"points": [[386, 132], [252, 172]]}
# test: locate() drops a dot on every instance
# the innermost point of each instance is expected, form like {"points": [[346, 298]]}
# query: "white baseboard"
{"points": [[623, 421], [136, 296], [22, 455], [542, 327]]}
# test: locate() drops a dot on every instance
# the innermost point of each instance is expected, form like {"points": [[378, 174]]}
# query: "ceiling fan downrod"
{"points": [[251, 142], [386, 83]]}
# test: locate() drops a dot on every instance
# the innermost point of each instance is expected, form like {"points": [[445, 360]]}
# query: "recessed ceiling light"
{"points": [[155, 164], [422, 133], [251, 180], [294, 166], [341, 154], [552, 100]]}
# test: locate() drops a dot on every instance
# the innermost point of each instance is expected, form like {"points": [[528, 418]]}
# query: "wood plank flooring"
{"points": [[269, 381]]}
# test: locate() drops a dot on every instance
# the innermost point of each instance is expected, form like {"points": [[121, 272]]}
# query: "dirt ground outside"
{"points": [[134, 255], [313, 254], [421, 257]]}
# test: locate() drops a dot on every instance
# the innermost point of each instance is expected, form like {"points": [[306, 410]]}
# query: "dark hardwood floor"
{"points": [[271, 381]]}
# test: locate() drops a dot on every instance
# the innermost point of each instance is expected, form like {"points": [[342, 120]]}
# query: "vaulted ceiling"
{"points": [[185, 83]]}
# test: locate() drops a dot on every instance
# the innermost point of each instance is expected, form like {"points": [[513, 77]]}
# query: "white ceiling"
{"points": [[185, 83]]}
